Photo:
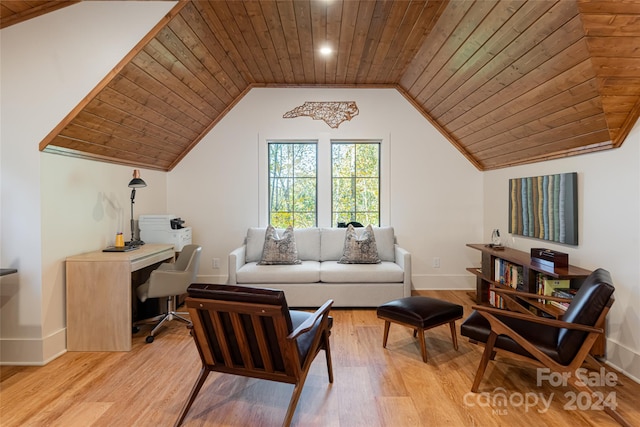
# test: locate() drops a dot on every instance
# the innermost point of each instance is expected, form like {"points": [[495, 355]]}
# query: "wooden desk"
{"points": [[99, 296]]}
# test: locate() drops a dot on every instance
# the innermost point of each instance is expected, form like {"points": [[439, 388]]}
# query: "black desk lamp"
{"points": [[136, 182]]}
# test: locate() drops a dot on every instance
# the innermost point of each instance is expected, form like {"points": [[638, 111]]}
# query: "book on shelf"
{"points": [[560, 305], [495, 299], [567, 293], [546, 285], [509, 274], [564, 292]]}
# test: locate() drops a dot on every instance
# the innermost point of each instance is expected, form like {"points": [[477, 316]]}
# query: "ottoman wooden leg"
{"points": [[454, 337], [386, 333], [420, 313], [423, 345]]}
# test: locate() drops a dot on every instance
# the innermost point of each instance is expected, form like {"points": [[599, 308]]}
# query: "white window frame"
{"points": [[378, 145], [324, 175]]}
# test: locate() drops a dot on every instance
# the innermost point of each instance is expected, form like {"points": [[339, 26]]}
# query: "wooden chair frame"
{"points": [[295, 370], [582, 356]]}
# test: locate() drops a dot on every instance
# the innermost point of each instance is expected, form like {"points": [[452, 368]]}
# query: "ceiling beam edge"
{"points": [[601, 146], [211, 126], [439, 128], [628, 124], [69, 152]]}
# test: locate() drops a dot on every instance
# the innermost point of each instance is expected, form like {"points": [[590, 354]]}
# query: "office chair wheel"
{"points": [[149, 339], [135, 330]]}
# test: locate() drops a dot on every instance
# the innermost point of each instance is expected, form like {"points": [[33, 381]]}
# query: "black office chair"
{"points": [[168, 281]]}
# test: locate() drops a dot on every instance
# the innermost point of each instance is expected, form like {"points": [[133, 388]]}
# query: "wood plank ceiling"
{"points": [[506, 82]]}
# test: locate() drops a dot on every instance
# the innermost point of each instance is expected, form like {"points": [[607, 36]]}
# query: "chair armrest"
{"points": [[527, 295], [535, 319], [308, 324], [237, 259], [167, 266], [169, 282], [403, 259]]}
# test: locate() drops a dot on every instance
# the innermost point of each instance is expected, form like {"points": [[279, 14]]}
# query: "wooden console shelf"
{"points": [[485, 279]]}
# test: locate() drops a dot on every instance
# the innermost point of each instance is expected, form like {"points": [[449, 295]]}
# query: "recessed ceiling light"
{"points": [[325, 50]]}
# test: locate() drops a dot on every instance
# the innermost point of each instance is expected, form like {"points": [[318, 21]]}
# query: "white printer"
{"points": [[164, 229]]}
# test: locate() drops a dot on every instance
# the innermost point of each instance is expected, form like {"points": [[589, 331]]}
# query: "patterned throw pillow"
{"points": [[279, 250], [360, 250]]}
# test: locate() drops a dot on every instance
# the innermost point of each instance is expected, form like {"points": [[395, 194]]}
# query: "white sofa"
{"points": [[320, 276]]}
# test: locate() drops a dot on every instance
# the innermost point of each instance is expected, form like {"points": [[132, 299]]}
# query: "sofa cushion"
{"points": [[331, 243], [385, 241], [321, 244], [359, 249], [385, 272], [255, 243], [279, 249], [307, 243], [305, 272]]}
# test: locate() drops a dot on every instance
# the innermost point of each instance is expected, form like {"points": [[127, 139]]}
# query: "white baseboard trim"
{"points": [[438, 282], [33, 351], [623, 359]]}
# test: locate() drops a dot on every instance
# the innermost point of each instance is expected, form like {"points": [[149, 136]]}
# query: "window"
{"points": [[324, 181], [355, 182], [292, 184]]}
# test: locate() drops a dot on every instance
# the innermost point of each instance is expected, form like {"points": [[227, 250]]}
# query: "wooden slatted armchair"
{"points": [[563, 346], [251, 332]]}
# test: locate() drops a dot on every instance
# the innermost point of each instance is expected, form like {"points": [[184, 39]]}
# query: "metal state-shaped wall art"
{"points": [[332, 113]]}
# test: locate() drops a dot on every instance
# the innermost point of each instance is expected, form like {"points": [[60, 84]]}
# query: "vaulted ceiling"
{"points": [[506, 82]]}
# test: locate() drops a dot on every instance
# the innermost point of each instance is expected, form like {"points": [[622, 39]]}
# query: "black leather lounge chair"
{"points": [[560, 345]]}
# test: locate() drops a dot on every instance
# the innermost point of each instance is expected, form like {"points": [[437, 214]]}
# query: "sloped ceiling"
{"points": [[15, 11], [506, 82]]}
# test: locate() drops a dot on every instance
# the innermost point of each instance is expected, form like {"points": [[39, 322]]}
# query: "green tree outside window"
{"points": [[355, 182], [293, 184]]}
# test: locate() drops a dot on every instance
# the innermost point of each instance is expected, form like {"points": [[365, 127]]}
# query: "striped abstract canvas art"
{"points": [[545, 207]]}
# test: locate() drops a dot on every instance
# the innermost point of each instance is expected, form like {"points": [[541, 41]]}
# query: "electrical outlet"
{"points": [[436, 262], [216, 263]]}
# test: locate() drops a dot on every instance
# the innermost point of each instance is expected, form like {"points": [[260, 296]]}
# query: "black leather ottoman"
{"points": [[420, 313]]}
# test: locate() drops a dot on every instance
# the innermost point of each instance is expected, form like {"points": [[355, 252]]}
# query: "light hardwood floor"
{"points": [[372, 387]]}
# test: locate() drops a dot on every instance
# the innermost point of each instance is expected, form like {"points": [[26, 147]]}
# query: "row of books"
{"points": [[508, 274], [495, 299], [511, 275], [568, 293]]}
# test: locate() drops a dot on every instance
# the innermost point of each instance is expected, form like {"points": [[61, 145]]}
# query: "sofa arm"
{"points": [[403, 259], [236, 261]]}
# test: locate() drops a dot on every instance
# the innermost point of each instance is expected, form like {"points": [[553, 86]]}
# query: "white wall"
{"points": [[609, 231], [50, 204], [435, 194]]}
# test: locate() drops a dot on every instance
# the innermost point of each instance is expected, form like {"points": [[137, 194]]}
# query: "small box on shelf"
{"points": [[549, 258]]}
